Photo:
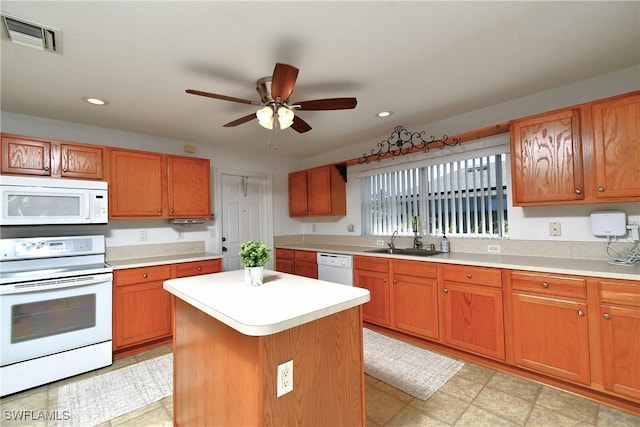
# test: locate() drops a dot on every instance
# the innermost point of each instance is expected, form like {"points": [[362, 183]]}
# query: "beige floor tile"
{"points": [[153, 418], [25, 409], [505, 405], [442, 406], [380, 406], [128, 417], [410, 416], [525, 389], [610, 417], [543, 417], [476, 373], [477, 417], [462, 388], [568, 404], [398, 394]]}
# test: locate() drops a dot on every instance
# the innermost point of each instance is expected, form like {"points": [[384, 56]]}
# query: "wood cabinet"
{"points": [[142, 309], [319, 191], [404, 294], [285, 260], [471, 310], [617, 337], [152, 185], [306, 264], [46, 157], [549, 330], [583, 154], [299, 262]]}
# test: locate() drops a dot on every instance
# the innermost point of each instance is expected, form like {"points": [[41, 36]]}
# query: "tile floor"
{"points": [[475, 396]]}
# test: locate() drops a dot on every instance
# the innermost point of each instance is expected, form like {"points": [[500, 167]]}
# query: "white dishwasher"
{"points": [[336, 268]]}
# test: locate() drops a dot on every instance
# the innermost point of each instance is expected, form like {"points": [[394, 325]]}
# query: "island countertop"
{"points": [[284, 300]]}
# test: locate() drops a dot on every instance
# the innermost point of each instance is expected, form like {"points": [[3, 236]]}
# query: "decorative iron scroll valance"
{"points": [[402, 142]]}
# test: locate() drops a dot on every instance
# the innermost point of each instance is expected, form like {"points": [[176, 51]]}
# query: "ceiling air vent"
{"points": [[26, 33]]}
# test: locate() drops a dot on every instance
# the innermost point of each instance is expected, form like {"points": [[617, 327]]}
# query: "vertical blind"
{"points": [[459, 198]]}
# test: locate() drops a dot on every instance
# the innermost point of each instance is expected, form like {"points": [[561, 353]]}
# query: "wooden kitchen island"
{"points": [[229, 339]]}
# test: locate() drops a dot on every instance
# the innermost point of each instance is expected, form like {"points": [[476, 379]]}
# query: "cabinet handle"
{"points": [[578, 191], [468, 275], [159, 210], [601, 189], [384, 280], [171, 210], [580, 313], [395, 281], [145, 275], [606, 316], [46, 168], [199, 268], [446, 290], [545, 285], [64, 169]]}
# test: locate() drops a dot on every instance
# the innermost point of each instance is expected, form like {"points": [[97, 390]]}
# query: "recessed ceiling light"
{"points": [[95, 101], [384, 113]]}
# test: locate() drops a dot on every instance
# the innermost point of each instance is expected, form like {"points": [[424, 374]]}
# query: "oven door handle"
{"points": [[45, 285]]}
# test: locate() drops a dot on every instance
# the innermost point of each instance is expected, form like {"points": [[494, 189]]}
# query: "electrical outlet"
{"points": [[142, 235], [554, 229], [180, 235], [379, 242], [494, 249], [285, 378]]}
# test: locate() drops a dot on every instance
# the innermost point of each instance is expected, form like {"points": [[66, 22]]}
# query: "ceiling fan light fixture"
{"points": [[285, 117], [265, 117]]}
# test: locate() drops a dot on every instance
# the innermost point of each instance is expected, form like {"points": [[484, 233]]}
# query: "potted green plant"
{"points": [[255, 255]]}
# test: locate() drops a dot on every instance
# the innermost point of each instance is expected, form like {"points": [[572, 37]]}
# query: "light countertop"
{"points": [[575, 266], [283, 302], [119, 264]]}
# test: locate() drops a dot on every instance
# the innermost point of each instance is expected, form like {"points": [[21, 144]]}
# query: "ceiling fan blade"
{"points": [[223, 97], [300, 125], [241, 120], [328, 104], [283, 80]]}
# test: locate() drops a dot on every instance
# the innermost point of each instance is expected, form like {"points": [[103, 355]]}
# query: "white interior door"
{"points": [[244, 216]]}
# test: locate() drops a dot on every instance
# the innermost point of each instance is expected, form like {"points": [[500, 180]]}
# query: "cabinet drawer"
{"points": [[547, 284], [195, 268], [284, 253], [415, 268], [371, 264], [472, 275], [309, 256], [141, 275], [619, 292]]}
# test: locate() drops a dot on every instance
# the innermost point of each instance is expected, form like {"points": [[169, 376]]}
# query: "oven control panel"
{"points": [[48, 247]]}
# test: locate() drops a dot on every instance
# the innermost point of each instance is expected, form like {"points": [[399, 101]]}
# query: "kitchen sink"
{"points": [[404, 251]]}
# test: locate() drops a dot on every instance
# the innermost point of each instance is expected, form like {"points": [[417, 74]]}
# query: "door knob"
{"points": [[224, 249], [224, 239]]}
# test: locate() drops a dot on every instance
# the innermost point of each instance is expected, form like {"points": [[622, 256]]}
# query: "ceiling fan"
{"points": [[274, 94]]}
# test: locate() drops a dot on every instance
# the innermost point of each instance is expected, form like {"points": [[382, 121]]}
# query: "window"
{"points": [[458, 198]]}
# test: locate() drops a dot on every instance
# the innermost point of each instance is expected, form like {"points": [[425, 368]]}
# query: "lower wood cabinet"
{"points": [[285, 260], [298, 262], [404, 294], [549, 325], [471, 310], [142, 309], [618, 337]]}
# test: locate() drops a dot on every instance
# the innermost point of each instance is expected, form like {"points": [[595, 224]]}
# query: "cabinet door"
{"points": [[298, 193], [136, 188], [319, 191], [26, 157], [415, 305], [188, 187], [306, 269], [473, 318], [617, 148], [285, 266], [377, 309], [82, 161], [196, 268], [142, 312], [547, 159], [620, 329], [551, 336]]}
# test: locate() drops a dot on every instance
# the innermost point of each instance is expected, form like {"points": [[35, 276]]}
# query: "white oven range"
{"points": [[55, 309]]}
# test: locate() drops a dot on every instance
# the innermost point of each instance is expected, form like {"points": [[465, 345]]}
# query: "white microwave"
{"points": [[44, 201]]}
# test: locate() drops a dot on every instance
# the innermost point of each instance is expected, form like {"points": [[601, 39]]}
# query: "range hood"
{"points": [[187, 221]]}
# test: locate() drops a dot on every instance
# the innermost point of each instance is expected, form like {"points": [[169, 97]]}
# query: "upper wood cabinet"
{"points": [[44, 157], [144, 184], [589, 153], [318, 191]]}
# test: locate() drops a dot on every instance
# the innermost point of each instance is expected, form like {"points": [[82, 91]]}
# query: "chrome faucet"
{"points": [[417, 244], [393, 236]]}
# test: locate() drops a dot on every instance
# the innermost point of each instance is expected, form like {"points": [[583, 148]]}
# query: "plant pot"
{"points": [[253, 276]]}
